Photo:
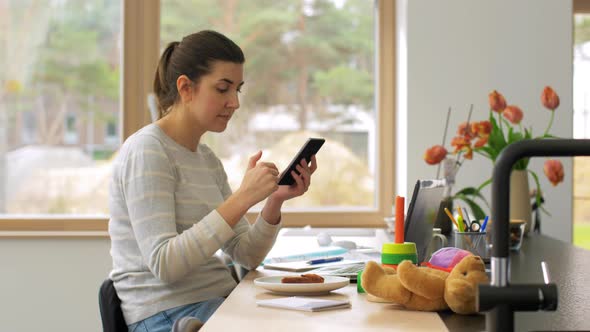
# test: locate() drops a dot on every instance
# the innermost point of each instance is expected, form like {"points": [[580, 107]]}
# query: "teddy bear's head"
{"points": [[461, 284]]}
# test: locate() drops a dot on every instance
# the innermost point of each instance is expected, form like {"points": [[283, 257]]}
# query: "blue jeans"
{"points": [[163, 321]]}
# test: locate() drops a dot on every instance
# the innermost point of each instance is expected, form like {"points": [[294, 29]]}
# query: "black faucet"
{"points": [[500, 299]]}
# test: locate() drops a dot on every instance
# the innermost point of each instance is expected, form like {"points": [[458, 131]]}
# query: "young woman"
{"points": [[170, 203]]}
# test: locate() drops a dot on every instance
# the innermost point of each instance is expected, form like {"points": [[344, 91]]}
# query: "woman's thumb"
{"points": [[254, 159]]}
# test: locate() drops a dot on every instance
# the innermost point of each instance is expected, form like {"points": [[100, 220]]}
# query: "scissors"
{"points": [[475, 226]]}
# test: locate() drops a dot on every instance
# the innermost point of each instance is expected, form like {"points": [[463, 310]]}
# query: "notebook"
{"points": [[302, 266], [304, 304]]}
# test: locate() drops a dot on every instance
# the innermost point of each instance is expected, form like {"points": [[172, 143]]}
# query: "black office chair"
{"points": [[110, 308]]}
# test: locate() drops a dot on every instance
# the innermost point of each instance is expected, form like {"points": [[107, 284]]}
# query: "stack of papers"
{"points": [[304, 304], [302, 266], [305, 255]]}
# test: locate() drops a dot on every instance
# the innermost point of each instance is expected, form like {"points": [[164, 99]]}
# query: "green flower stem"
{"points": [[550, 123]]}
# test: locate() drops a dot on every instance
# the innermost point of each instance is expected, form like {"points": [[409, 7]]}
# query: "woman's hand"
{"points": [[259, 181], [302, 182]]}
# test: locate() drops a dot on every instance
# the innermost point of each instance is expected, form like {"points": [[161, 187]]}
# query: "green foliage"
{"points": [[496, 140], [582, 31], [353, 86], [75, 57], [297, 53], [469, 195]]}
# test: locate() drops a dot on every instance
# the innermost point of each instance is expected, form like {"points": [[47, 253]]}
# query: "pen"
{"points": [[452, 219], [467, 219], [485, 223], [324, 260], [460, 212]]}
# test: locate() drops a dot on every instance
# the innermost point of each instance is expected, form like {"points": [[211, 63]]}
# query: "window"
{"points": [[306, 76], [346, 113], [60, 80], [581, 183]]}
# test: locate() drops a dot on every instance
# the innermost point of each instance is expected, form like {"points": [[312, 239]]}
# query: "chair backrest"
{"points": [[110, 308]]}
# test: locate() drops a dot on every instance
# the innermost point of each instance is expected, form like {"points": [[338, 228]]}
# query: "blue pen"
{"points": [[324, 260], [485, 223]]}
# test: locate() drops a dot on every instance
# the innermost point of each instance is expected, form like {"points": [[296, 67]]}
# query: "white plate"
{"points": [[275, 285]]}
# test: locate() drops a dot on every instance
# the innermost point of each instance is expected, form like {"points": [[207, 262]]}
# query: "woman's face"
{"points": [[216, 96]]}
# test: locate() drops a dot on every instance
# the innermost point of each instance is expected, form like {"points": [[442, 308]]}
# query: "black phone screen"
{"points": [[311, 147]]}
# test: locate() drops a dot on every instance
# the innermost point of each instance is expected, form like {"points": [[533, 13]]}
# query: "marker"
{"points": [[485, 223], [461, 224], [399, 219], [324, 260], [463, 219]]}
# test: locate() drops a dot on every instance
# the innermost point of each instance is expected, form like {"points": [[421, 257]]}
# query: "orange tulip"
{"points": [[549, 98], [513, 114], [468, 153], [463, 143], [481, 142], [482, 128], [497, 101], [435, 154], [460, 142], [463, 130], [554, 171]]}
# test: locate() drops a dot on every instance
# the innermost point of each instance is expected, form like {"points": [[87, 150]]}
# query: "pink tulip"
{"points": [[549, 98], [554, 171], [435, 155], [497, 101], [513, 114]]}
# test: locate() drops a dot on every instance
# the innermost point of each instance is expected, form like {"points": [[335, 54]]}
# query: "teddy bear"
{"points": [[426, 288]]}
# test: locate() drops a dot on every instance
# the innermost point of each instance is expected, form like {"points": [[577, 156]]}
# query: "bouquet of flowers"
{"points": [[488, 138]]}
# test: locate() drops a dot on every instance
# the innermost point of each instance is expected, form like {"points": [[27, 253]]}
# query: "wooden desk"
{"points": [[240, 313], [569, 267]]}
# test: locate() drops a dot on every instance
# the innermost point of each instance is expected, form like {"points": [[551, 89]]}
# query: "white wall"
{"points": [[460, 50], [52, 284]]}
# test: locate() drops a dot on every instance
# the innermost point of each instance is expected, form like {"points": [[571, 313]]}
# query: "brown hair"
{"points": [[192, 57]]}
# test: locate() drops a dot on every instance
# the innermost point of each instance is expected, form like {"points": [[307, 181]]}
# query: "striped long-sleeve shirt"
{"points": [[165, 228]]}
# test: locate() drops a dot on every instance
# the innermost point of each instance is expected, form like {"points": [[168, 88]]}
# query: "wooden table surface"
{"points": [[569, 267], [240, 313]]}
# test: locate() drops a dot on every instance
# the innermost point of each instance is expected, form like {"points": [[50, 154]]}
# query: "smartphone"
{"points": [[311, 147]]}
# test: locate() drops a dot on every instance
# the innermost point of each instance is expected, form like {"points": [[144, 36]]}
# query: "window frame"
{"points": [[141, 38], [581, 7]]}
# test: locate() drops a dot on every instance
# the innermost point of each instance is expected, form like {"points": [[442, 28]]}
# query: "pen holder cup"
{"points": [[517, 228], [475, 242]]}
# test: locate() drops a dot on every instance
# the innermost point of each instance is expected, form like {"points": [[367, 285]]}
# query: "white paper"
{"points": [[304, 303]]}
